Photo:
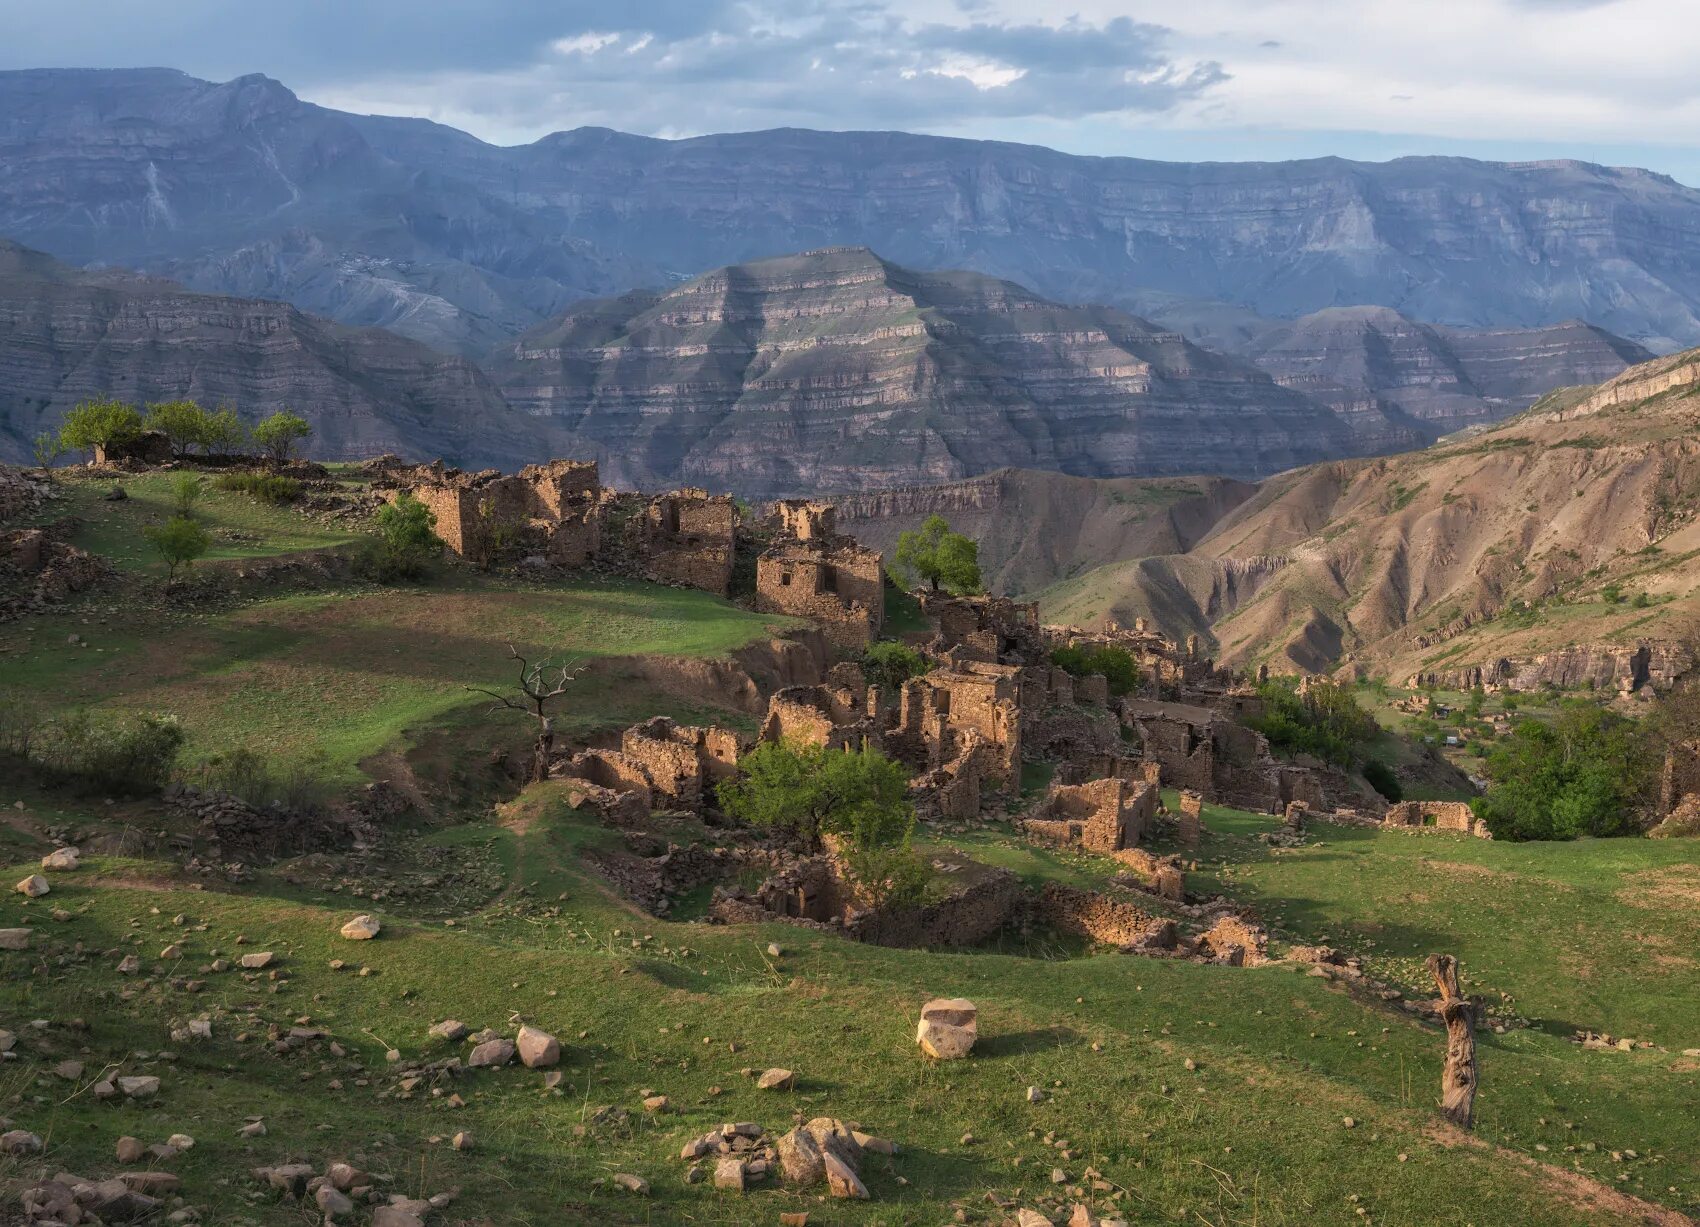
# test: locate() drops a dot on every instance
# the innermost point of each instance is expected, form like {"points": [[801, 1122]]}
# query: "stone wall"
{"points": [[1094, 915], [832, 580], [985, 628], [552, 509], [1436, 816], [686, 537], [1102, 816]]}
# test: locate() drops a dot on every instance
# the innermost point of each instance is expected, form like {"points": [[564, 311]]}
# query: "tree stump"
{"points": [[1458, 1079]]}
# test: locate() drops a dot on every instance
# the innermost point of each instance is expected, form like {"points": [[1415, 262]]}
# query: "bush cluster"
{"points": [[1325, 721], [267, 487], [1117, 665], [1589, 771], [127, 756]]}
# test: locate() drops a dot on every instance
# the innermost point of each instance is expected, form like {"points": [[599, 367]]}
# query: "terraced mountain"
{"points": [[1562, 545], [242, 188], [838, 370], [67, 335]]}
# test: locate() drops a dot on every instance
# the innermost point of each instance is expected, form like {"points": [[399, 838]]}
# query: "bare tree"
{"points": [[1458, 1012], [539, 684]]}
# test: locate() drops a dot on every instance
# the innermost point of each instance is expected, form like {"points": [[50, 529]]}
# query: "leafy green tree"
{"points": [[186, 494], [100, 423], [223, 432], [1325, 720], [407, 543], [809, 792], [277, 435], [180, 540], [889, 664], [944, 559], [1587, 772], [1117, 665], [181, 421]]}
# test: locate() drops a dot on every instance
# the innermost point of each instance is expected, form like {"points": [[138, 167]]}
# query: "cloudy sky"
{"points": [[1606, 80]]}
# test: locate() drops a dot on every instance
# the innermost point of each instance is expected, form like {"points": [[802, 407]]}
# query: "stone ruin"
{"points": [[1103, 815], [660, 765], [991, 629], [150, 447], [38, 568], [687, 537], [1436, 816], [554, 510], [813, 571]]}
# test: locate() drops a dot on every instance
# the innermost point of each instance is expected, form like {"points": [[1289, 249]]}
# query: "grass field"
{"points": [[333, 677], [1254, 1132], [241, 526]]}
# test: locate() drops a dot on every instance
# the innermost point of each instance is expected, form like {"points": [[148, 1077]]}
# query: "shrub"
{"points": [[406, 545], [944, 559], [1588, 772], [267, 487], [277, 435], [179, 541], [100, 423], [244, 773], [1382, 778], [1117, 665], [1325, 720], [186, 493], [48, 447], [223, 432], [809, 791], [890, 664], [128, 756]]}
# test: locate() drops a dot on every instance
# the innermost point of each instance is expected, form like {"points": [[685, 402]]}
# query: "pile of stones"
{"points": [[823, 1151]]}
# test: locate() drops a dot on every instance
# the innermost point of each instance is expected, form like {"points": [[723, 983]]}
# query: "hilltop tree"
{"points": [[223, 432], [181, 421], [944, 559], [278, 435], [539, 685], [102, 422]]}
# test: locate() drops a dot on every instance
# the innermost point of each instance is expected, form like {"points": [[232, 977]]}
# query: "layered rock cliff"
{"points": [[837, 370], [242, 188], [66, 336]]}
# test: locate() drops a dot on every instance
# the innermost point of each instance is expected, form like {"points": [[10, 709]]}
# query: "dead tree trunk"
{"points": [[1458, 1080]]}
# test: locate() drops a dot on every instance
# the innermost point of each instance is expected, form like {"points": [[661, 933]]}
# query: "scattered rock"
{"points": [[15, 939], [777, 1080], [728, 1173], [332, 1201], [61, 858], [948, 1028], [462, 1140], [141, 1086], [258, 960], [35, 886], [451, 1029], [631, 1183], [362, 928], [491, 1054], [538, 1049], [20, 1142], [130, 1150], [1035, 1095]]}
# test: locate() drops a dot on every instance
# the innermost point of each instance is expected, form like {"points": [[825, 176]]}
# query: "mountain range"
{"points": [[241, 188]]}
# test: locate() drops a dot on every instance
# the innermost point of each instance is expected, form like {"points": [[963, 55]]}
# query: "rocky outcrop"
{"points": [[839, 370], [242, 188]]}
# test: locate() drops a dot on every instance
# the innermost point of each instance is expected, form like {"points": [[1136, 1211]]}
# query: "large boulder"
{"points": [[60, 858], [948, 1028], [35, 886], [538, 1049], [362, 928], [491, 1053]]}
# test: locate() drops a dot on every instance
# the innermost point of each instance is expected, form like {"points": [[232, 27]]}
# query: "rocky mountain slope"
{"points": [[67, 335], [242, 188], [1033, 526], [837, 370], [1559, 546]]}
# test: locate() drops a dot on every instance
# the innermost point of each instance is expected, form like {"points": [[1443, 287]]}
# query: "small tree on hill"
{"points": [[942, 558], [180, 541], [48, 448], [102, 423], [809, 791], [277, 435], [186, 494], [181, 421], [539, 686]]}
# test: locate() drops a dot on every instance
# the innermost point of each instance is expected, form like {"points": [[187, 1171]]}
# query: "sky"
{"points": [[1609, 81]]}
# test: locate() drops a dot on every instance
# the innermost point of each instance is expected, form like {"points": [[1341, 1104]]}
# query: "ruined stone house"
{"points": [[825, 577], [1436, 816], [992, 629], [552, 509], [660, 765], [687, 537], [1105, 815]]}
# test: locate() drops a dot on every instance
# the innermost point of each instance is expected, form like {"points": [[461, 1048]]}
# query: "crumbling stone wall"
{"points": [[1101, 816], [1236, 940], [831, 716], [682, 763], [1224, 762], [985, 628], [832, 580], [1437, 816], [806, 520], [686, 537], [1162, 875], [937, 709], [553, 509], [1095, 915]]}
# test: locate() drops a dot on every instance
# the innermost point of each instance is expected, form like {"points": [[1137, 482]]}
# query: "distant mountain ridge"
{"points": [[242, 188], [68, 335]]}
